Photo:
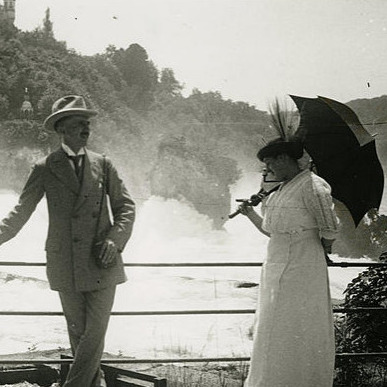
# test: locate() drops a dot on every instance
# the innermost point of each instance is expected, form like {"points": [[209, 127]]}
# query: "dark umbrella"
{"points": [[343, 153]]}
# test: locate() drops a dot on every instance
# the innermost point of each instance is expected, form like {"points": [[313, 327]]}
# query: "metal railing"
{"points": [[123, 360], [118, 377]]}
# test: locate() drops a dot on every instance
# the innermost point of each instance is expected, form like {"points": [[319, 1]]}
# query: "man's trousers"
{"points": [[87, 315]]}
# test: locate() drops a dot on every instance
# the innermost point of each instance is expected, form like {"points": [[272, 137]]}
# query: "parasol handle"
{"points": [[253, 201]]}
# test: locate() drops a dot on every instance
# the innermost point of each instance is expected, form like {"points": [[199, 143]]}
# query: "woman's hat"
{"points": [[70, 105], [277, 147]]}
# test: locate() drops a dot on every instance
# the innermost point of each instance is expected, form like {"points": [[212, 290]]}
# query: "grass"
{"points": [[197, 374], [207, 375]]}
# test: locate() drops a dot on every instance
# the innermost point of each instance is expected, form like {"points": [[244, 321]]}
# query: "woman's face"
{"points": [[278, 167]]}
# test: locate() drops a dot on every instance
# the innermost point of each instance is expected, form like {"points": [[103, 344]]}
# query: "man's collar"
{"points": [[70, 152]]}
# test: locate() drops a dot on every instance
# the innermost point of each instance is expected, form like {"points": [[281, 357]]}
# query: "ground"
{"points": [[178, 375]]}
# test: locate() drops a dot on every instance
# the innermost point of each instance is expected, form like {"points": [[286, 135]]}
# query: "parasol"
{"points": [[343, 152]]}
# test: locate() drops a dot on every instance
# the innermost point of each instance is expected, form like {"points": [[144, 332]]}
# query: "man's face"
{"points": [[75, 131]]}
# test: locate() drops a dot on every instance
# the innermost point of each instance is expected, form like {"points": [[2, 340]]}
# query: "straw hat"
{"points": [[69, 105]]}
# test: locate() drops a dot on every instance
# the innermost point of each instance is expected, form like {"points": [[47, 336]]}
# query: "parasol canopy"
{"points": [[343, 152]]}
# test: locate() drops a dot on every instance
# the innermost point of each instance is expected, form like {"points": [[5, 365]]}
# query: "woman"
{"points": [[294, 340]]}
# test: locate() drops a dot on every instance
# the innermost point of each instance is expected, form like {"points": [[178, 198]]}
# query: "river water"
{"points": [[165, 231]]}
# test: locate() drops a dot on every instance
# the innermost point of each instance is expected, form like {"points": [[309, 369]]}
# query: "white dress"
{"points": [[294, 338]]}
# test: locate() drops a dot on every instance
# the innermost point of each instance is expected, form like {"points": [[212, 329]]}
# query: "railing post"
{"points": [[110, 376], [162, 382], [64, 369]]}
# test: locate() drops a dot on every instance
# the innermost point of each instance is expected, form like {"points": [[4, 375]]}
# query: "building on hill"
{"points": [[7, 11], [26, 110]]}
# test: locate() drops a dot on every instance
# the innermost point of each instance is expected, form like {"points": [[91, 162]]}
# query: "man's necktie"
{"points": [[77, 161]]}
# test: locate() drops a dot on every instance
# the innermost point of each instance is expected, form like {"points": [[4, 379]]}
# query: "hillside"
{"points": [[373, 114], [164, 144]]}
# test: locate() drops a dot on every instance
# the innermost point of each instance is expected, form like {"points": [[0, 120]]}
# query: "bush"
{"points": [[364, 331]]}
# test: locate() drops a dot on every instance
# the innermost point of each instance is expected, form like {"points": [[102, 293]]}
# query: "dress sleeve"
{"points": [[318, 200]]}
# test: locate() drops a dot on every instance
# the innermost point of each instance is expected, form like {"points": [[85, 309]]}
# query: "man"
{"points": [[74, 181]]}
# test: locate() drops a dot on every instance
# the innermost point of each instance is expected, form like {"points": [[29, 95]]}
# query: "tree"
{"points": [[139, 73], [48, 31], [7, 31], [168, 83]]}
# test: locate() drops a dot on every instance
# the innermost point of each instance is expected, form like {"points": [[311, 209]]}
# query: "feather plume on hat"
{"points": [[285, 121]]}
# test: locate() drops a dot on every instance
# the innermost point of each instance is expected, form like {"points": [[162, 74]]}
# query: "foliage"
{"points": [[373, 230], [368, 330], [364, 331], [138, 72], [23, 133], [368, 239], [48, 26], [163, 143], [168, 83]]}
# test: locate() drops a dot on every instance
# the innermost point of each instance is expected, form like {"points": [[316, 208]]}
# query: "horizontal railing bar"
{"points": [[180, 312], [194, 264], [137, 313], [11, 263], [206, 264], [365, 309], [357, 264], [123, 360], [128, 361], [153, 264], [365, 354]]}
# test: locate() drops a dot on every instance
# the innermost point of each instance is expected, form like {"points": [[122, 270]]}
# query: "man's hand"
{"points": [[108, 253]]}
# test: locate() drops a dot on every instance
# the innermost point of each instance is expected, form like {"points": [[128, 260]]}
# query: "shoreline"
{"points": [[209, 374]]}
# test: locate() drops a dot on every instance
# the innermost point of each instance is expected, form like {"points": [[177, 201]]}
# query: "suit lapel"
{"points": [[61, 168], [91, 171]]}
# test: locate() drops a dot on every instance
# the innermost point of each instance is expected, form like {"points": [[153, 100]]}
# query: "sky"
{"points": [[248, 50]]}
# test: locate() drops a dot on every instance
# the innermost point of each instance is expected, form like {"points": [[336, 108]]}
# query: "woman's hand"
{"points": [[327, 245], [253, 216], [245, 209]]}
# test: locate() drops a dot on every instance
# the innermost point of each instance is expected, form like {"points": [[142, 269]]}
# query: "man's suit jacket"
{"points": [[73, 210]]}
